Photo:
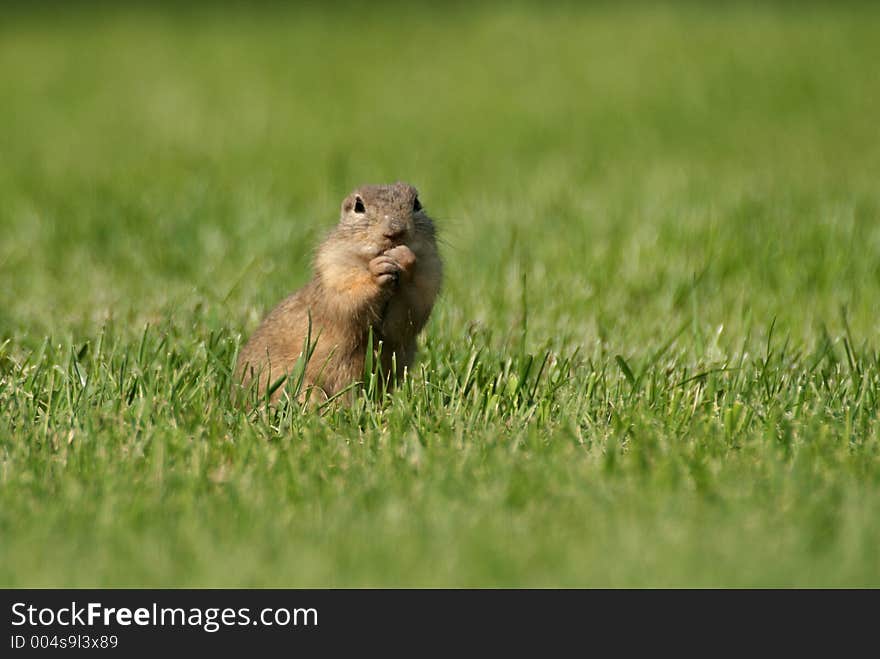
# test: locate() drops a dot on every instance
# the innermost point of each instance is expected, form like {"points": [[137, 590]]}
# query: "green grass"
{"points": [[655, 361]]}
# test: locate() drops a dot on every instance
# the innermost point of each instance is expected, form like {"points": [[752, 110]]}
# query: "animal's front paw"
{"points": [[385, 270], [404, 257]]}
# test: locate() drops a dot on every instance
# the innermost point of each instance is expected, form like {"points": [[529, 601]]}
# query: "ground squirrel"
{"points": [[378, 269]]}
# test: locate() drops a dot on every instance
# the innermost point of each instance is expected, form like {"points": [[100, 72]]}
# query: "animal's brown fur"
{"points": [[378, 269]]}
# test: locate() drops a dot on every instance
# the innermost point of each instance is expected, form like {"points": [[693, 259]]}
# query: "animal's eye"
{"points": [[359, 205], [417, 205]]}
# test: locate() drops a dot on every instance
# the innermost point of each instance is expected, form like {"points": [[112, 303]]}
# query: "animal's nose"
{"points": [[394, 229]]}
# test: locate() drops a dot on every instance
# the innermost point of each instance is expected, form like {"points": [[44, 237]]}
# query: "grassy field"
{"points": [[655, 361]]}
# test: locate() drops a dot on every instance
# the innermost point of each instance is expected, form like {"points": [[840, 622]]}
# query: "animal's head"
{"points": [[385, 215]]}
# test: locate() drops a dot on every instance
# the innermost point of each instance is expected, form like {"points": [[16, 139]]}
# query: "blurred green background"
{"points": [[676, 204]]}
